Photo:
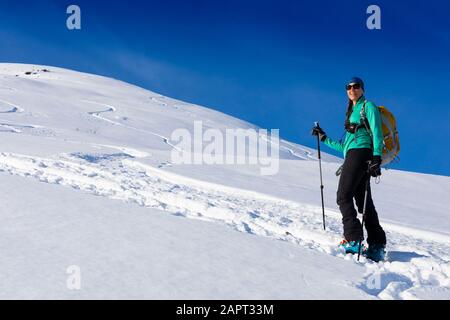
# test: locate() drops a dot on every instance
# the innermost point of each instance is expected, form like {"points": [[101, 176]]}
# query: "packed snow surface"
{"points": [[88, 181]]}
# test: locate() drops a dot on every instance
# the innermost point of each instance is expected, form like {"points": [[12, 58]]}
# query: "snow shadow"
{"points": [[13, 110], [403, 256], [96, 158]]}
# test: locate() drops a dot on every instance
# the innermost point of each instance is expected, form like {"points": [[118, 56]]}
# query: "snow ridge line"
{"points": [[176, 178], [426, 263]]}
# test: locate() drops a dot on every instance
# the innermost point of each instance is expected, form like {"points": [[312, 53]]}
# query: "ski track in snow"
{"points": [[416, 258], [180, 106], [158, 101], [97, 114], [14, 108], [10, 127], [291, 149], [15, 127]]}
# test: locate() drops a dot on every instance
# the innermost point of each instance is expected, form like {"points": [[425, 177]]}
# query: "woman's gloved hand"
{"points": [[375, 166], [317, 131]]}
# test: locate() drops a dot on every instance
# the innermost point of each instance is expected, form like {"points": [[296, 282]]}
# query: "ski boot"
{"points": [[350, 247], [375, 252]]}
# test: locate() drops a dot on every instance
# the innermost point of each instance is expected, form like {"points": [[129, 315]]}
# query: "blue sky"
{"points": [[278, 64]]}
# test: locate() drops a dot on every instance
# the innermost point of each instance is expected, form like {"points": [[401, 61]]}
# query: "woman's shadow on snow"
{"points": [[403, 256]]}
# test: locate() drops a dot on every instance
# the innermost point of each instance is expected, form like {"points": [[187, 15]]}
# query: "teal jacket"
{"points": [[362, 138]]}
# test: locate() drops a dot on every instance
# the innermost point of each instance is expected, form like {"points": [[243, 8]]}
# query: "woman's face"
{"points": [[354, 92]]}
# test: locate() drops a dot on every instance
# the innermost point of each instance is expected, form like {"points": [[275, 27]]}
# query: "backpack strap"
{"points": [[365, 122], [362, 113]]}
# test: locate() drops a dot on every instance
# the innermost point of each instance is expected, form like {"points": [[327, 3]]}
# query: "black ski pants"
{"points": [[352, 185]]}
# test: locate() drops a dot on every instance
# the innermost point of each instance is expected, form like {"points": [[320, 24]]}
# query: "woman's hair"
{"points": [[349, 109]]}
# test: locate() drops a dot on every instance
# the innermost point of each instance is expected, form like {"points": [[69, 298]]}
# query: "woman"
{"points": [[362, 148]]}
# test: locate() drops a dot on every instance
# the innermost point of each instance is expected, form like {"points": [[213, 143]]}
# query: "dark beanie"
{"points": [[356, 80]]}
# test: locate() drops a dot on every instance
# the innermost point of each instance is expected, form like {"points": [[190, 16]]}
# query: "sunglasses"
{"points": [[354, 86]]}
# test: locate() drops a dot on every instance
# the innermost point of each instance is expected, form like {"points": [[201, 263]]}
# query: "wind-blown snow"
{"points": [[68, 137]]}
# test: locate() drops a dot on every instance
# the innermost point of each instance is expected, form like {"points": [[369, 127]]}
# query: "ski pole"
{"points": [[364, 209], [320, 168]]}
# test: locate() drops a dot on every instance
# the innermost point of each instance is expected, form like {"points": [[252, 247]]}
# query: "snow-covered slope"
{"points": [[68, 137]]}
